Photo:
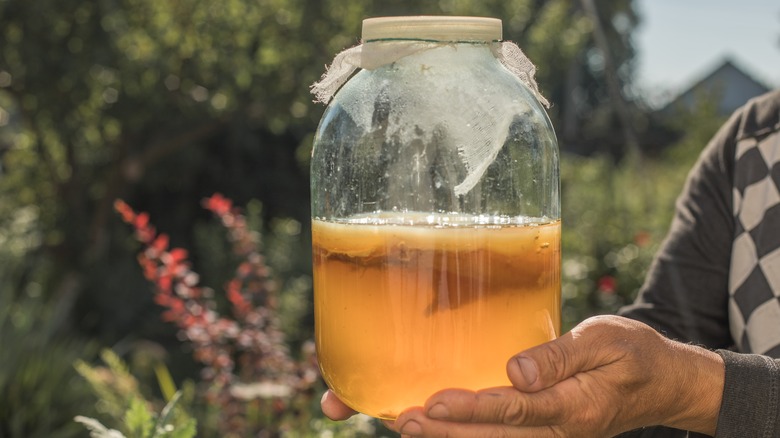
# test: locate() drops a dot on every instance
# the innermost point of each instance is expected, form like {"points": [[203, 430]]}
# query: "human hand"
{"points": [[334, 408], [608, 375]]}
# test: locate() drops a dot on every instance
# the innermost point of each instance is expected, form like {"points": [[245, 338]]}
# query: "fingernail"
{"points": [[438, 411], [528, 368], [411, 428]]}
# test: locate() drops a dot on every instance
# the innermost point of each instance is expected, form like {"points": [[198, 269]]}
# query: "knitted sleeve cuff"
{"points": [[751, 392]]}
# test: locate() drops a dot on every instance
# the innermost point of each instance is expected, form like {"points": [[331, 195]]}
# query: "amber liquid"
{"points": [[402, 311]]}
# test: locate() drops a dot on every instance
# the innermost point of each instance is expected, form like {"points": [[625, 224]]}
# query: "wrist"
{"points": [[699, 385]]}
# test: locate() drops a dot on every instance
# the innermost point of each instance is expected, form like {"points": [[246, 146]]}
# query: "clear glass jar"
{"points": [[435, 217]]}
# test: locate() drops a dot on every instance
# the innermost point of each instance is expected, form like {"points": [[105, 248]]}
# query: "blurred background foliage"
{"points": [[163, 103]]}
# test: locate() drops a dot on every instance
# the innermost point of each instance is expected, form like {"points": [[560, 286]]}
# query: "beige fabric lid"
{"points": [[435, 28]]}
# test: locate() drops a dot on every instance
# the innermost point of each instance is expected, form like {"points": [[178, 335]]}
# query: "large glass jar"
{"points": [[435, 216]]}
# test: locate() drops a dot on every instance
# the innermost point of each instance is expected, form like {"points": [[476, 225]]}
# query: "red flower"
{"points": [[607, 284], [164, 283], [124, 210], [141, 220], [160, 244], [163, 299], [244, 269], [178, 255], [218, 204], [233, 289], [175, 310], [642, 238], [148, 266]]}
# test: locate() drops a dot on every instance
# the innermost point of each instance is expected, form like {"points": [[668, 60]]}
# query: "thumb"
{"points": [[580, 350], [334, 408]]}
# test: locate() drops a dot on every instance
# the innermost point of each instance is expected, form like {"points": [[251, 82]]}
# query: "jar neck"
{"points": [[378, 53], [374, 54]]}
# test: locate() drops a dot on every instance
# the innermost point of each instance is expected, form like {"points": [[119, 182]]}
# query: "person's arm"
{"points": [[685, 294], [609, 375], [751, 396], [606, 376]]}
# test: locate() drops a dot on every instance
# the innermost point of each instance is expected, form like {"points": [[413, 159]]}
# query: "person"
{"points": [[694, 355]]}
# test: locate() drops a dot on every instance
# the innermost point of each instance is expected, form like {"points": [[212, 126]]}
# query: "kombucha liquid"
{"points": [[403, 311]]}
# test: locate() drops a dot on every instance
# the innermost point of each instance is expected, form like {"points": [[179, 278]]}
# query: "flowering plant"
{"points": [[244, 354]]}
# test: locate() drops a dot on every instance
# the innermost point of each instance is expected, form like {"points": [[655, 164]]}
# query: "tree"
{"points": [[155, 101], [164, 103]]}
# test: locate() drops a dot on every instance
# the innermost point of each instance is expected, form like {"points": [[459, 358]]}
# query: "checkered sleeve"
{"points": [[754, 283]]}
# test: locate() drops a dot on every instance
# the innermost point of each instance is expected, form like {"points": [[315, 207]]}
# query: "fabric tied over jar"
{"points": [[481, 126]]}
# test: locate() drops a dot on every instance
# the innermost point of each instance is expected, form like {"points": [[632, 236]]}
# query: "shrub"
{"points": [[615, 216], [250, 384], [40, 392]]}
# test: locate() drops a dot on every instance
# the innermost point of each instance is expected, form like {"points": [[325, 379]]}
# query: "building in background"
{"points": [[727, 86]]}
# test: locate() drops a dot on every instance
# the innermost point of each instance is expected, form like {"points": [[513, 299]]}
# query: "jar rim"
{"points": [[432, 27]]}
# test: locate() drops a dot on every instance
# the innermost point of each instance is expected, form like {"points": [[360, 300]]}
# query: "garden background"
{"points": [[162, 105]]}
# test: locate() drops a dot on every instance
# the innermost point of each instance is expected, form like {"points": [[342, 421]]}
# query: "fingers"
{"points": [[414, 423], [584, 348], [334, 408], [545, 365], [504, 405]]}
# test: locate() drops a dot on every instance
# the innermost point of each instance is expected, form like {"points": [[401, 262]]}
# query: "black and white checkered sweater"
{"points": [[716, 280], [754, 274]]}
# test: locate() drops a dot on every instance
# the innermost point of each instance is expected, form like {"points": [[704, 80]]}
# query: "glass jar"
{"points": [[435, 216]]}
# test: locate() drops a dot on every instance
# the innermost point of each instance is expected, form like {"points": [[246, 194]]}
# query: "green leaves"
{"points": [[163, 427], [121, 399], [138, 420]]}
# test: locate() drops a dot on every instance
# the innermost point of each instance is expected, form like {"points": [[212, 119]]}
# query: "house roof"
{"points": [[728, 84]]}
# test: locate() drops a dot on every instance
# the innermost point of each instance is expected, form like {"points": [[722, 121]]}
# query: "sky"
{"points": [[681, 41]]}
